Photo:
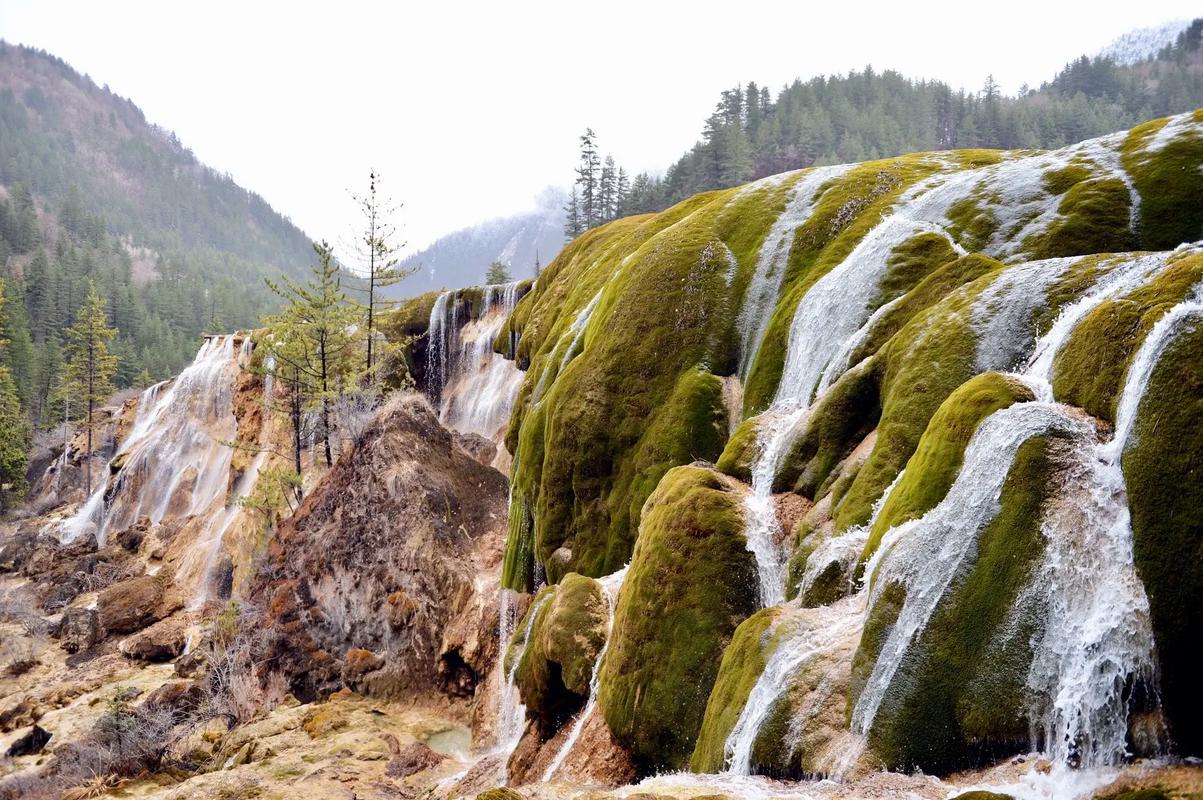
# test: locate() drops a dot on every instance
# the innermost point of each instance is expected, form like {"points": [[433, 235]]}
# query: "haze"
{"points": [[470, 109]]}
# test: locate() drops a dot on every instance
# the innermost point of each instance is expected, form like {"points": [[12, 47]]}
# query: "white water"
{"points": [[773, 259], [441, 334], [511, 713], [568, 346], [208, 549], [611, 584], [175, 452], [927, 553], [799, 641], [478, 385]]}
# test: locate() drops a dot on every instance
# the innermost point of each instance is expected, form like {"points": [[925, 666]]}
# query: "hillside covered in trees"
{"points": [[92, 194], [869, 114]]}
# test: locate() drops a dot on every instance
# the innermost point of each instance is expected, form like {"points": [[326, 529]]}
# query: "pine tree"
{"points": [[90, 367], [311, 341], [573, 224], [14, 427], [605, 190], [497, 274], [622, 190], [587, 178], [376, 249]]}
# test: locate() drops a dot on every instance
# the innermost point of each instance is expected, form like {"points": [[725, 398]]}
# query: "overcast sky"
{"points": [[468, 109]]}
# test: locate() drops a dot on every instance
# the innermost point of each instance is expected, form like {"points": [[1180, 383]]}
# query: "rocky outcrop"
{"points": [[376, 581]]}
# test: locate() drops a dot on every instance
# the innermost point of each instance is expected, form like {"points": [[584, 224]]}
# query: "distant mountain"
{"points": [[461, 258], [1143, 43], [64, 137]]}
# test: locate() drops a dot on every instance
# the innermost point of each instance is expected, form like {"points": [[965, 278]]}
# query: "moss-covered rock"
{"points": [[1167, 174], [690, 583], [1094, 217], [937, 460], [742, 664], [1163, 469], [957, 696], [557, 662], [1089, 370]]}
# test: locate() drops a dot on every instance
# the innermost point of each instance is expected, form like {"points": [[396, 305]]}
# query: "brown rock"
{"points": [[80, 629], [131, 605], [412, 759], [161, 642], [359, 662], [174, 695]]}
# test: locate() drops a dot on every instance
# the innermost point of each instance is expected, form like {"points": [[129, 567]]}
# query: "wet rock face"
{"points": [[374, 581], [133, 604]]}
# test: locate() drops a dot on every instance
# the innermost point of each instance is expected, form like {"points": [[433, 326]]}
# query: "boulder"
{"points": [[161, 642], [80, 629], [132, 604], [30, 743], [412, 759], [691, 581]]}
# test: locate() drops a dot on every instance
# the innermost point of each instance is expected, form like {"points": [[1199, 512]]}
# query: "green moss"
{"points": [[957, 696], [1089, 370], [930, 357], [1147, 793], [692, 580], [1060, 181], [911, 262], [930, 472], [983, 795], [931, 290], [632, 404], [971, 224], [743, 662], [741, 451], [557, 663], [845, 415], [1170, 183], [1164, 474], [1093, 217], [847, 209]]}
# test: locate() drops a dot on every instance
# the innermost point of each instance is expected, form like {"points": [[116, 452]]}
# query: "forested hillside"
{"points": [[868, 115], [93, 194]]}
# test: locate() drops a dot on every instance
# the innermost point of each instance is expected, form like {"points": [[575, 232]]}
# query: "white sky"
{"points": [[468, 109]]}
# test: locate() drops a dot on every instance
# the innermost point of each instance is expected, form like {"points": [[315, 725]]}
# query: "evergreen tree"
{"points": [[573, 224], [497, 274], [587, 176], [606, 190], [311, 342], [376, 248], [14, 443], [87, 380], [622, 189]]}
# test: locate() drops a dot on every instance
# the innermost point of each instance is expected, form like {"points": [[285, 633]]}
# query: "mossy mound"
{"points": [[957, 697], [981, 794], [1089, 371], [1163, 468], [499, 793], [690, 583], [742, 664], [1167, 175], [937, 460], [558, 660], [1094, 217]]}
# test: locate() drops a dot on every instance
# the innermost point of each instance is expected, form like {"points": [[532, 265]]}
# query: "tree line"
{"points": [[867, 115]]}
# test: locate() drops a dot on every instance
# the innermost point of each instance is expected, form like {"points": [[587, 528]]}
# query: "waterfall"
{"points": [[611, 584], [176, 452], [926, 554], [441, 333], [798, 642], [570, 340], [1104, 639], [773, 260], [511, 713], [208, 549], [478, 386]]}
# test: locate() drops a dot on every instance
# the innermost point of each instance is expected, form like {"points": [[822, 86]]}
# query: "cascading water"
{"points": [[441, 334], [611, 585], [511, 713], [771, 263], [207, 549], [477, 385], [175, 459], [798, 642]]}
